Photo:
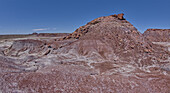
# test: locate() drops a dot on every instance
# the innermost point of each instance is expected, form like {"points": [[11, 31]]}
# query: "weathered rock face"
{"points": [[29, 46], [120, 16], [115, 19], [111, 37], [106, 55], [157, 35]]}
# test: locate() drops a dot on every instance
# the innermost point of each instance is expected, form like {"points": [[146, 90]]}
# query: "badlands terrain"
{"points": [[107, 55]]}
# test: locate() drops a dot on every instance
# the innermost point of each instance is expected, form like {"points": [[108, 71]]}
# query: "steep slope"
{"points": [[110, 38]]}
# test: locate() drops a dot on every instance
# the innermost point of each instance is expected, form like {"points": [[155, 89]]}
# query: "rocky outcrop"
{"points": [[29, 46], [120, 16], [157, 35], [110, 37], [84, 29]]}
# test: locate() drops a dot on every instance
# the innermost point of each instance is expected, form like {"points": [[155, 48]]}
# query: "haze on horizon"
{"points": [[64, 16]]}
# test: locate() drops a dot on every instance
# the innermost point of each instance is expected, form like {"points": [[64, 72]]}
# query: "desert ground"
{"points": [[107, 55]]}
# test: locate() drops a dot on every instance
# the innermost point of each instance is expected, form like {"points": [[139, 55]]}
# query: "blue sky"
{"points": [[61, 16]]}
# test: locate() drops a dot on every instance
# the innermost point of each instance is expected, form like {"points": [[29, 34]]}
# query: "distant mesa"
{"points": [[157, 35], [50, 34]]}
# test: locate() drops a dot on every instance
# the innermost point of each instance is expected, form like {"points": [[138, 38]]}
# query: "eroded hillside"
{"points": [[107, 55]]}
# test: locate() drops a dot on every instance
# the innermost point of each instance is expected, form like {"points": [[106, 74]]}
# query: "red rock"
{"points": [[120, 16], [84, 29], [157, 35], [106, 55]]}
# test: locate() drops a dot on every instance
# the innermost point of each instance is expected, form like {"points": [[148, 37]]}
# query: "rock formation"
{"points": [[115, 19], [110, 37], [157, 35], [106, 55], [30, 46]]}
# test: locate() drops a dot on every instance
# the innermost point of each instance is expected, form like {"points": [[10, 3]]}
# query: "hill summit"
{"points": [[109, 37]]}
